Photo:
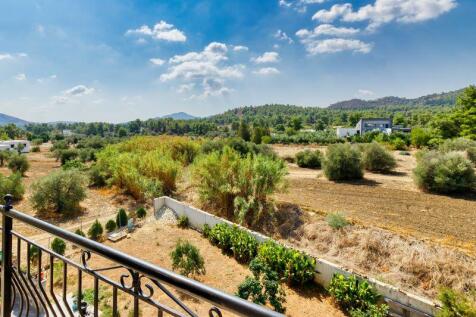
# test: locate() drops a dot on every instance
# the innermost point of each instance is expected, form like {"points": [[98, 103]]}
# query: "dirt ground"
{"points": [[386, 201], [99, 203], [222, 271]]}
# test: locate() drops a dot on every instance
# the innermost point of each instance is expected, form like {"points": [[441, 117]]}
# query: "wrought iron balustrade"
{"points": [[36, 281]]}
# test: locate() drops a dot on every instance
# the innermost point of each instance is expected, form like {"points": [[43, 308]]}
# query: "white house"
{"points": [[346, 132], [12, 145]]}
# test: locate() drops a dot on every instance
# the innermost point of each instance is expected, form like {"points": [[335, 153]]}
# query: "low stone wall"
{"points": [[401, 303]]}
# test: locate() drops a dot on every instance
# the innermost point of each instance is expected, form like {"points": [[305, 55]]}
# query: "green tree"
{"points": [[121, 218], [111, 225], [420, 137], [141, 213], [60, 191], [18, 164], [58, 245], [466, 112], [4, 155], [296, 123], [244, 131], [95, 231]]}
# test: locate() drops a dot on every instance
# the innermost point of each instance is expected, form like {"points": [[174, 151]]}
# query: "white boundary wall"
{"points": [[400, 302]]}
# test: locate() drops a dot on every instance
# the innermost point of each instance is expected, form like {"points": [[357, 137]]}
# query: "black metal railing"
{"points": [[36, 281]]}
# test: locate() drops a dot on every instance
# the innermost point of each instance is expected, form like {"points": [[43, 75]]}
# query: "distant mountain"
{"points": [[180, 116], [6, 119], [445, 98]]}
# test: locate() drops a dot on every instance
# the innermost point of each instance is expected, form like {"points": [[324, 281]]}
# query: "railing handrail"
{"points": [[183, 284]]}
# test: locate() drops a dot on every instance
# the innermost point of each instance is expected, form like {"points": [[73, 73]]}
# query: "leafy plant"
{"points": [[73, 164], [68, 155], [35, 149], [11, 185], [4, 155], [80, 232], [182, 222], [376, 158], [351, 293], [141, 213], [456, 304], [263, 287], [58, 245], [95, 231], [343, 162], [444, 173], [186, 257], [370, 311], [61, 191], [238, 186], [121, 218], [111, 225], [336, 221], [18, 163], [309, 159], [206, 231]]}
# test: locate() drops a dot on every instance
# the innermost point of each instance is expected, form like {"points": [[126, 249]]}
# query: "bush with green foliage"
{"points": [[238, 186], [309, 159], [35, 149], [343, 162], [141, 213], [18, 163], [398, 144], [111, 225], [292, 265], [60, 191], [420, 137], [355, 295], [74, 165], [182, 222], [187, 259], [263, 287], [336, 221], [11, 185], [4, 155], [370, 311], [97, 176], [444, 173], [455, 304], [68, 155], [121, 218], [80, 232], [376, 158], [461, 145], [471, 152], [58, 245], [95, 231]]}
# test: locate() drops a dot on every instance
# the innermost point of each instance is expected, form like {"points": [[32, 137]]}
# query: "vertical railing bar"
{"points": [[114, 302], [6, 280], [52, 291], [40, 290], [79, 296], [96, 297], [65, 288], [20, 273], [20, 293]]}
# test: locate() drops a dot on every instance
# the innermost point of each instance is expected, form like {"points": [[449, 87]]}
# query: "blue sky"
{"points": [[116, 61]]}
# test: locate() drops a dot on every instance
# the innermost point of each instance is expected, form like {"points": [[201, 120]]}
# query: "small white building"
{"points": [[12, 145], [346, 132]]}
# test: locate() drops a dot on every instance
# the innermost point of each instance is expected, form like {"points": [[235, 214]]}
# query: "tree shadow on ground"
{"points": [[359, 182]]}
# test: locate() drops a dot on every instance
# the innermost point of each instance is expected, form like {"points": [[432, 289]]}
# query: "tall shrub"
{"points": [[376, 158], [444, 173], [95, 231], [121, 218], [343, 162], [309, 159], [18, 164], [238, 186], [58, 245], [11, 185], [61, 191]]}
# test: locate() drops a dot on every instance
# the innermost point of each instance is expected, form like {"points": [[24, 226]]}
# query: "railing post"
{"points": [[7, 258]]}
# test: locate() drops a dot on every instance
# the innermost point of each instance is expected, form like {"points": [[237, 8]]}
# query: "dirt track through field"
{"points": [[445, 219]]}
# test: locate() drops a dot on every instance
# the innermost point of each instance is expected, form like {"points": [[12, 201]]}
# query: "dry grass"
{"points": [[404, 262]]}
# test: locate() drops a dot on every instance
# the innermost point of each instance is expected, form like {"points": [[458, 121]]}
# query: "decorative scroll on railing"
{"points": [[36, 281]]}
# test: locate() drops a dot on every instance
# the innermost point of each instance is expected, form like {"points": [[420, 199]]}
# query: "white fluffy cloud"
{"points": [[267, 57], [365, 93], [280, 35], [327, 30], [8, 56], [240, 48], [157, 61], [5, 56], [386, 11], [208, 69], [336, 45], [20, 77], [266, 71], [71, 95], [160, 31], [299, 5]]}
